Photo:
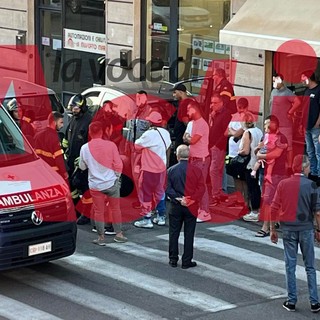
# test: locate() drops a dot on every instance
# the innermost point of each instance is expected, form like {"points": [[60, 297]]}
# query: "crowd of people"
{"points": [[228, 142]]}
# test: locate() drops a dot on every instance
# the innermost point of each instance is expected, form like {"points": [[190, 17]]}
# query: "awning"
{"points": [[267, 24]]}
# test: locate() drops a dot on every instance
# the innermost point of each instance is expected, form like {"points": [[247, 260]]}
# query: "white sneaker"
{"points": [[159, 220], [252, 216], [144, 223], [203, 216]]}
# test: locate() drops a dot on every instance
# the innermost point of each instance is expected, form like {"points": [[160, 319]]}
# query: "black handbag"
{"points": [[237, 166]]}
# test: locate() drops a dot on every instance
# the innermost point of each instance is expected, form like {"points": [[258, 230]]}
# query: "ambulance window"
{"points": [[13, 147]]}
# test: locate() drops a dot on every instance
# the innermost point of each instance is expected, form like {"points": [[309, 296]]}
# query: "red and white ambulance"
{"points": [[37, 218]]}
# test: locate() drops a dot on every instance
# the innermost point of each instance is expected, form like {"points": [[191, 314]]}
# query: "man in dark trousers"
{"points": [[297, 220], [76, 136], [182, 119], [185, 190]]}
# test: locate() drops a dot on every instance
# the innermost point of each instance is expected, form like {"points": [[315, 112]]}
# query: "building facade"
{"points": [[83, 42]]}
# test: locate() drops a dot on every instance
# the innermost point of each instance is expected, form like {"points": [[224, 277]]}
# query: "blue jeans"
{"points": [[291, 240], [161, 206], [313, 150]]}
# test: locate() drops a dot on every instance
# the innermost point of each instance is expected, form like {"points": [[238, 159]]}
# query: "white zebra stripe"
{"points": [[248, 284], [248, 235], [84, 297], [14, 309], [242, 255], [149, 283]]}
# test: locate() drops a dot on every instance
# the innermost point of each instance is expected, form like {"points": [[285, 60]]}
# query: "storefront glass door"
{"points": [[50, 47]]}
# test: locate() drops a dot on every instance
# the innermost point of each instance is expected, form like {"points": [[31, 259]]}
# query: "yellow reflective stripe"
{"points": [[74, 194], [233, 98], [55, 168], [86, 200], [44, 153], [226, 93], [65, 143], [58, 153], [26, 119]]}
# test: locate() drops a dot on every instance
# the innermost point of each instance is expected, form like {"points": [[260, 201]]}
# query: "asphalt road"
{"points": [[238, 277]]}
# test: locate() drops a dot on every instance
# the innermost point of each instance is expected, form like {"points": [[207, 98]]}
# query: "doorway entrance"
{"points": [[50, 44]]}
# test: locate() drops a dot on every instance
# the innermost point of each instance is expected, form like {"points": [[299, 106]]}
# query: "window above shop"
{"points": [[90, 7]]}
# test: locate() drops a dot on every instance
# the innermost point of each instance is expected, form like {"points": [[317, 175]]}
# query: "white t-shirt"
{"points": [[201, 128], [102, 159], [154, 157], [234, 124]]}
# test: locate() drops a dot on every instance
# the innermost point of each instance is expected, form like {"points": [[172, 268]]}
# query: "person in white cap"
{"points": [[154, 145]]}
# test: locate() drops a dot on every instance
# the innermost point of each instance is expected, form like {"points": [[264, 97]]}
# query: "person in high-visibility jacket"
{"points": [[76, 136], [23, 118], [47, 144]]}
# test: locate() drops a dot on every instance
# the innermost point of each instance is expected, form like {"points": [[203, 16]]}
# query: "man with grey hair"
{"points": [[185, 190], [297, 222]]}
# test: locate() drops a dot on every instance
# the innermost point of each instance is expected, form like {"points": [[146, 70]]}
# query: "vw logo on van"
{"points": [[36, 217]]}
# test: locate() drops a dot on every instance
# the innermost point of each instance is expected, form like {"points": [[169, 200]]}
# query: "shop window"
{"points": [[198, 25]]}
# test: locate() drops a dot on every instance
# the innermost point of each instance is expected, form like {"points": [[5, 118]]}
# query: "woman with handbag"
{"points": [[249, 141]]}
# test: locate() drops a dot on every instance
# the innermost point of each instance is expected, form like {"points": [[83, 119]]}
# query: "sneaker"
{"points": [[144, 223], [162, 221], [119, 239], [315, 307], [99, 242], [109, 231], [159, 220], [203, 216], [252, 216], [289, 306]]}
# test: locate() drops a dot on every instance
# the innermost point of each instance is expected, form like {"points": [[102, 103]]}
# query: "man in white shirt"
{"points": [[199, 152], [102, 159], [154, 145]]}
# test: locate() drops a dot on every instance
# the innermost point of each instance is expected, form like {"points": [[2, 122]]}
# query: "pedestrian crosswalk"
{"points": [[125, 281]]}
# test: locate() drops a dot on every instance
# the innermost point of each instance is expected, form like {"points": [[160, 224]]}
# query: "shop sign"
{"points": [[84, 41]]}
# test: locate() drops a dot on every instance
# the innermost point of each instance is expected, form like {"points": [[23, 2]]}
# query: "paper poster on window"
{"points": [[196, 44], [219, 48], [208, 46], [84, 41], [45, 41], [159, 27], [196, 63], [228, 49], [56, 44], [205, 64]]}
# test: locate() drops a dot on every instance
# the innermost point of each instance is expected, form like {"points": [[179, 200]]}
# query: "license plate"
{"points": [[40, 248]]}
